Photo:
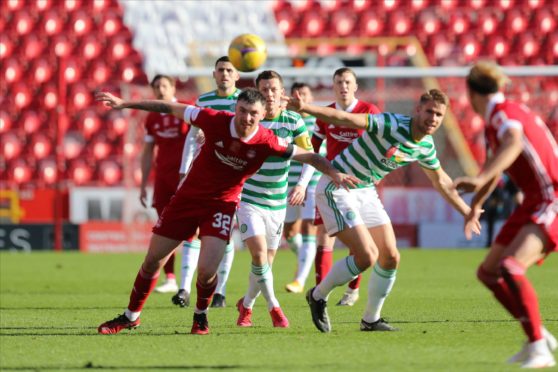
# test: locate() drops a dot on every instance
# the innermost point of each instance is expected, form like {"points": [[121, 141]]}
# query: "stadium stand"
{"points": [[105, 43]]}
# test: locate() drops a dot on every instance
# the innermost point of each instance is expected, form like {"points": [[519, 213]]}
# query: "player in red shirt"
{"points": [[521, 145], [337, 139], [235, 148], [166, 133]]}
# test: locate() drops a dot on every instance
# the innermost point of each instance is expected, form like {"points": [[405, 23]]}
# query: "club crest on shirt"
{"points": [[390, 152]]}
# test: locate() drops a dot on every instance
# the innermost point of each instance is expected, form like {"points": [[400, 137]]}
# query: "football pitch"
{"points": [[51, 305]]}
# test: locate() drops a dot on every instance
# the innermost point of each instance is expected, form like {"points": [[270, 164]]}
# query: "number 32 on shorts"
{"points": [[223, 222]]}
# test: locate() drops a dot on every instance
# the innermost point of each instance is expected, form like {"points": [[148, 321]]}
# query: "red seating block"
{"points": [[6, 46], [63, 45], [111, 24], [42, 71], [12, 146], [343, 22], [21, 171], [33, 46], [80, 173], [21, 95], [110, 172], [49, 96], [5, 122], [23, 22], [41, 146], [13, 70], [400, 23], [73, 144], [81, 23], [89, 123], [371, 24], [31, 121], [53, 22], [48, 171]]}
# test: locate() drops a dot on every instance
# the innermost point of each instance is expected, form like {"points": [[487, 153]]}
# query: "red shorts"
{"points": [[318, 218], [162, 194], [544, 214], [182, 217]]}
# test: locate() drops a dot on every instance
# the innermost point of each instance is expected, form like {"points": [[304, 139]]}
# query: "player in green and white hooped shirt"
{"points": [[224, 99], [299, 230], [264, 200], [357, 216]]}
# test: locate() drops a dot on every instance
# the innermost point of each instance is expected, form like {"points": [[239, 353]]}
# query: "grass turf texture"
{"points": [[51, 305]]}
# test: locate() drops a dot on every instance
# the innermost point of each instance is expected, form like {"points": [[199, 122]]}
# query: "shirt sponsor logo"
{"points": [[219, 144], [232, 161], [344, 136]]}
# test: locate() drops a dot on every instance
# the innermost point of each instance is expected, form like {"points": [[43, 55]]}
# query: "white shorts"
{"points": [[341, 209], [304, 212], [253, 220]]}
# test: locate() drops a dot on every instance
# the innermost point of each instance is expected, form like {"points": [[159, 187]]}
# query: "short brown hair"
{"points": [[161, 76], [298, 85], [268, 75], [434, 95], [342, 70], [486, 77]]}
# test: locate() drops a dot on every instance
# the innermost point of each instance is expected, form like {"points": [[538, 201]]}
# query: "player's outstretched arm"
{"points": [[165, 107], [328, 114], [323, 165], [444, 185]]}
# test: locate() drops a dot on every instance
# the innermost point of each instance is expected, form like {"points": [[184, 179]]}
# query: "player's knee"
{"points": [[390, 259], [366, 259], [485, 277]]}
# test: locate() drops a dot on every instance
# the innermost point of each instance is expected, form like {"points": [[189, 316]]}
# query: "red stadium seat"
{"points": [[110, 172], [23, 22], [117, 124], [371, 24], [100, 72], [22, 96], [48, 171], [119, 48], [49, 96], [81, 23], [332, 6], [301, 5], [535, 4], [488, 22], [477, 4], [52, 22], [63, 45], [129, 72], [325, 49], [14, 5], [400, 23], [5, 122], [515, 22], [313, 24], [13, 70], [42, 71], [111, 24], [73, 72], [390, 5], [505, 4], [418, 5], [544, 21], [90, 47], [286, 22], [80, 172], [528, 45], [44, 5], [89, 123], [429, 23], [361, 5], [470, 47], [41, 146], [72, 5], [459, 23], [343, 22], [100, 147], [33, 46], [31, 121], [73, 144], [12, 146], [104, 5], [80, 96], [21, 171], [498, 46], [6, 46]]}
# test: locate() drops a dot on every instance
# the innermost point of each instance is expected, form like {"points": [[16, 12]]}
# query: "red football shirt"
{"points": [[338, 138], [225, 161], [168, 133], [535, 171]]}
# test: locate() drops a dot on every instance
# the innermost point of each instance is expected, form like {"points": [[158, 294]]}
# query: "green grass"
{"points": [[51, 305]]}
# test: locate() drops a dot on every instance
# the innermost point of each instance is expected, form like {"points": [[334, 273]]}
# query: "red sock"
{"points": [[169, 267], [355, 283], [144, 284], [323, 262], [500, 290], [205, 294], [525, 297]]}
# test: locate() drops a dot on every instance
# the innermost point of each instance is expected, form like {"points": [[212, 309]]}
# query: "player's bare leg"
{"points": [[382, 278], [360, 243], [160, 248], [211, 253], [526, 249]]}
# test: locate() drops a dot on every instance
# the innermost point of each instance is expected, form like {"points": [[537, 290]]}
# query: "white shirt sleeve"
{"points": [[191, 113], [305, 175], [189, 150]]}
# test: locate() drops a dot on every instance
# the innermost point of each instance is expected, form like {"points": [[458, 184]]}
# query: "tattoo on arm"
{"points": [[154, 106]]}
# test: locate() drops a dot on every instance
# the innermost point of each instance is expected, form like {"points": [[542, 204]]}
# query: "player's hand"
{"points": [[472, 223], [468, 184], [344, 180], [294, 103], [297, 195], [143, 197], [109, 100]]}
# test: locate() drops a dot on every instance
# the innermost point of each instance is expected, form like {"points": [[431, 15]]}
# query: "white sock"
{"points": [[225, 269], [133, 316], [253, 291], [264, 278], [380, 284], [190, 256], [342, 272], [306, 255], [295, 242]]}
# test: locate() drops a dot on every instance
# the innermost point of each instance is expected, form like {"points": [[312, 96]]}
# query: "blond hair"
{"points": [[486, 77], [434, 95]]}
